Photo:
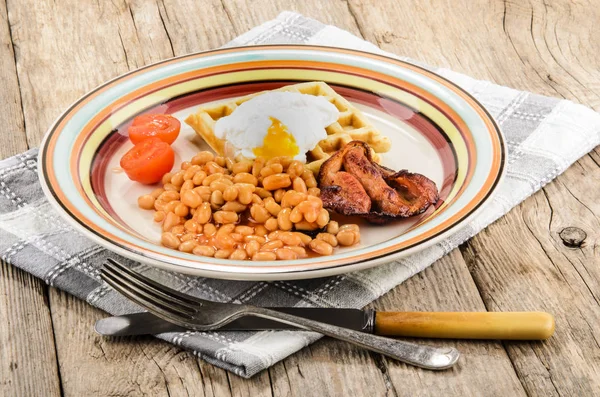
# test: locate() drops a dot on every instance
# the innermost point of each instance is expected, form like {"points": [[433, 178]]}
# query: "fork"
{"points": [[202, 315]]}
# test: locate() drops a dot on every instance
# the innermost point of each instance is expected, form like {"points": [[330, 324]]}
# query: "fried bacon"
{"points": [[353, 184], [351, 199]]}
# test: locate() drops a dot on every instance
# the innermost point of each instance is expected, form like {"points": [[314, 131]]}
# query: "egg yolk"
{"points": [[277, 142]]}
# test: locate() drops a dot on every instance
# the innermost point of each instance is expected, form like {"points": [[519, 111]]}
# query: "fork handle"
{"points": [[411, 353]]}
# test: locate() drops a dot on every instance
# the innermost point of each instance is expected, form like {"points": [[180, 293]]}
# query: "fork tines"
{"points": [[158, 299]]}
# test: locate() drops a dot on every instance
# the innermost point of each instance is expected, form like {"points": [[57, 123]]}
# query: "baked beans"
{"points": [[264, 256], [146, 201], [348, 237], [204, 250], [321, 247], [217, 207]]}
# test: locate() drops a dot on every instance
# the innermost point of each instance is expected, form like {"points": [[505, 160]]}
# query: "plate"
{"points": [[436, 129]]}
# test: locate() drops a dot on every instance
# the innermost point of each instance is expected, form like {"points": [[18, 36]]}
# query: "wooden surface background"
{"points": [[53, 51]]}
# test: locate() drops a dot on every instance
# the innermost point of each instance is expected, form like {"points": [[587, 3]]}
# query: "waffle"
{"points": [[351, 124]]}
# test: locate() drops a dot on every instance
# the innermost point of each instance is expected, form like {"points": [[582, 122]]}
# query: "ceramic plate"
{"points": [[436, 129]]}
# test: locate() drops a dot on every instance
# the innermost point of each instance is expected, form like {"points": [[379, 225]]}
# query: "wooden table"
{"points": [[52, 52]]}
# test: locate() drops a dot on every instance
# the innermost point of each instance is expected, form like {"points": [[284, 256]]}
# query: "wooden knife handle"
{"points": [[477, 325]]}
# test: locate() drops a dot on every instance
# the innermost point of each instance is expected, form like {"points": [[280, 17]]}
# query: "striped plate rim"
{"points": [[230, 269]]}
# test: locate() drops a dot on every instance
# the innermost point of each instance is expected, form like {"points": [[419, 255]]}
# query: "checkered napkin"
{"points": [[544, 136]]}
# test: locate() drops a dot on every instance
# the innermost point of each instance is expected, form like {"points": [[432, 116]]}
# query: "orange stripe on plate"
{"points": [[496, 144]]}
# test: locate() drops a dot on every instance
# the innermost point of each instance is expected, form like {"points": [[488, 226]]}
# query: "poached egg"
{"points": [[276, 124]]}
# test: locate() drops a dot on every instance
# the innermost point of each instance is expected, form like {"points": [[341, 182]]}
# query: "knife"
{"points": [[455, 325]]}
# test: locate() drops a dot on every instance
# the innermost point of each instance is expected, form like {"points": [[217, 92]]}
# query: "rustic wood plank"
{"points": [[196, 26], [28, 363], [484, 367], [554, 58], [317, 371], [246, 14], [550, 276], [555, 41], [27, 355], [63, 54], [563, 280], [128, 366], [13, 133], [60, 55], [531, 46]]}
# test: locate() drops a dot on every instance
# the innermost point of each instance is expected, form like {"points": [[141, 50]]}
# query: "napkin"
{"points": [[544, 136]]}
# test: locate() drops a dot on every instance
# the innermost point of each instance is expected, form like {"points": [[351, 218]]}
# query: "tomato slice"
{"points": [[163, 126], [148, 161]]}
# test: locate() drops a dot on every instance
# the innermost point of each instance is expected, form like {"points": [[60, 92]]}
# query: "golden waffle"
{"points": [[351, 124]]}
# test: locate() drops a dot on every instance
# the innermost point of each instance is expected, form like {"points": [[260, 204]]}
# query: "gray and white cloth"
{"points": [[544, 136]]}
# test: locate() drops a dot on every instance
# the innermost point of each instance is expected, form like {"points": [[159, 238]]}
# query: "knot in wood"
{"points": [[388, 36], [572, 236]]}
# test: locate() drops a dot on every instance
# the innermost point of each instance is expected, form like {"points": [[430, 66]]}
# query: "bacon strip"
{"points": [[352, 184]]}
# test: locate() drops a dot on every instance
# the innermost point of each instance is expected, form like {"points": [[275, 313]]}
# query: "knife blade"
{"points": [[457, 325], [147, 323]]}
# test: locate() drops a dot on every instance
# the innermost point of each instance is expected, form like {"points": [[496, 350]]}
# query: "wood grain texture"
{"points": [[27, 356], [546, 275], [546, 48], [196, 26], [246, 14], [523, 45], [129, 366], [317, 371], [28, 364], [56, 44], [481, 364], [13, 135]]}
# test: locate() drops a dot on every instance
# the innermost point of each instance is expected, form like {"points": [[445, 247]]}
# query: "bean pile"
{"points": [[257, 210]]}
